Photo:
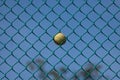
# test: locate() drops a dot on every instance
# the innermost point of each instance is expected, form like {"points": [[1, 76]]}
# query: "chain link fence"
{"points": [[91, 51]]}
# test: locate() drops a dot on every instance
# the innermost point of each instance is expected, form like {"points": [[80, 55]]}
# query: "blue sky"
{"points": [[27, 28]]}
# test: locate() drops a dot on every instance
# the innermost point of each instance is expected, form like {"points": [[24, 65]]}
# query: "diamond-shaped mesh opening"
{"points": [[91, 50]]}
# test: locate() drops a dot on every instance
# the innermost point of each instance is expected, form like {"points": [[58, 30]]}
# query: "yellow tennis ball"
{"points": [[59, 39]]}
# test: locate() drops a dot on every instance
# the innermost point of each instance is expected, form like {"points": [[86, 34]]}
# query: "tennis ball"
{"points": [[59, 39]]}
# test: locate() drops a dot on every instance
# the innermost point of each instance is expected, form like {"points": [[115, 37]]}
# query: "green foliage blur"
{"points": [[91, 72]]}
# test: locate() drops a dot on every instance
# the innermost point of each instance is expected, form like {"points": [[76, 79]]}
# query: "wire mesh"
{"points": [[91, 51]]}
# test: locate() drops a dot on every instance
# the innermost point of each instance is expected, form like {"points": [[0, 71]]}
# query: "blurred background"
{"points": [[91, 51]]}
